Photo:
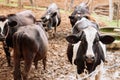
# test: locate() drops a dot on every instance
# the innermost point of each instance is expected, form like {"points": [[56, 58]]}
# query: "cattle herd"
{"points": [[27, 36]]}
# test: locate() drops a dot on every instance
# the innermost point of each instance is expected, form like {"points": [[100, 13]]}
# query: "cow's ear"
{"points": [[106, 39], [54, 14], [71, 17], [12, 23], [72, 39], [43, 17], [3, 18]]}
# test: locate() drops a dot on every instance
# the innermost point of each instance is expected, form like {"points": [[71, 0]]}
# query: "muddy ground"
{"points": [[58, 67]]}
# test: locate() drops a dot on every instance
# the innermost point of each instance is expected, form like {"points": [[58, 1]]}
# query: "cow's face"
{"points": [[48, 16], [79, 12], [87, 46], [5, 25]]}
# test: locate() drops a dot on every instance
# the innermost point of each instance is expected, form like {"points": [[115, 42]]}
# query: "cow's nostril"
{"points": [[90, 57], [86, 57], [93, 58]]}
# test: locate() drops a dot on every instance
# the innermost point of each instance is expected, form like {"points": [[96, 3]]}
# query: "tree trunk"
{"points": [[66, 5], [33, 3], [7, 1], [111, 10], [71, 4], [20, 3]]}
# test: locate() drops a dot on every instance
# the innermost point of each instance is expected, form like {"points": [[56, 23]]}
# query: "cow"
{"points": [[52, 17], [22, 18], [31, 44], [82, 10], [86, 48]]}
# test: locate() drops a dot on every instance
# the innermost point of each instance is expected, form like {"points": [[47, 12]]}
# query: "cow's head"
{"points": [[48, 16], [88, 47], [5, 25], [80, 11]]}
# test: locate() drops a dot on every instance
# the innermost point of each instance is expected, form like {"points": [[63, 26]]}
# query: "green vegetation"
{"points": [[1, 0], [105, 19]]}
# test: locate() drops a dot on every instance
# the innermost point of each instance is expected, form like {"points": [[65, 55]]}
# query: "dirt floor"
{"points": [[58, 67]]}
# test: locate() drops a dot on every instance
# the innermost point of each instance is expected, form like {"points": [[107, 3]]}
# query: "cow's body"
{"points": [[86, 49], [80, 11], [22, 18], [52, 17], [30, 43]]}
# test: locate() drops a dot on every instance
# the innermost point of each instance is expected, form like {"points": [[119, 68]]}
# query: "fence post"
{"points": [[110, 10], [71, 4]]}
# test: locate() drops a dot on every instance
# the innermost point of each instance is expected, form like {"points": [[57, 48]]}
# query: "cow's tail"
{"points": [[17, 44], [17, 55]]}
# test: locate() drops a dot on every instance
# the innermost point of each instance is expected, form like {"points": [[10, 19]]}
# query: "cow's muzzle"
{"points": [[2, 37], [89, 59]]}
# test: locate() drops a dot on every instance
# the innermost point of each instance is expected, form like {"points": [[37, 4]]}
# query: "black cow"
{"points": [[80, 11], [52, 17], [6, 32], [30, 43], [86, 49]]}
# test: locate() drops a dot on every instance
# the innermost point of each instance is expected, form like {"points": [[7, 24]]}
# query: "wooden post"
{"points": [[118, 11], [20, 3], [71, 4], [110, 10], [66, 5], [7, 1], [33, 3]]}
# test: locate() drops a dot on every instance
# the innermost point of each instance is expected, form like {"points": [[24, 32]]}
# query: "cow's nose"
{"points": [[89, 58]]}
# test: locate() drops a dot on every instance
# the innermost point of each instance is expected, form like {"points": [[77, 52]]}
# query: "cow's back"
{"points": [[31, 37]]}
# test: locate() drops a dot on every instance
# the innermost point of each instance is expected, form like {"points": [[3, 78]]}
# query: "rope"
{"points": [[96, 71]]}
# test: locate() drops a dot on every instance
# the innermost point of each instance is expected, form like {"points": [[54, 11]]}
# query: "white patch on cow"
{"points": [[56, 20], [75, 49], [103, 47], [90, 33], [47, 16], [2, 24]]}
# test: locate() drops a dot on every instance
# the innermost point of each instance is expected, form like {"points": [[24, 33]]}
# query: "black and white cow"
{"points": [[52, 17], [86, 49], [30, 43], [79, 11], [8, 28]]}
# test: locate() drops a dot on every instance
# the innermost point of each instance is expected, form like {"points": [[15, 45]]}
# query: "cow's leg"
{"points": [[44, 63], [57, 22], [54, 34], [17, 71], [28, 58], [7, 52], [70, 52], [36, 63], [100, 73]]}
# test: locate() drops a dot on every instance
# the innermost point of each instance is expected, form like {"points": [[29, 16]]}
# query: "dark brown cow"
{"points": [[6, 32], [30, 43]]}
